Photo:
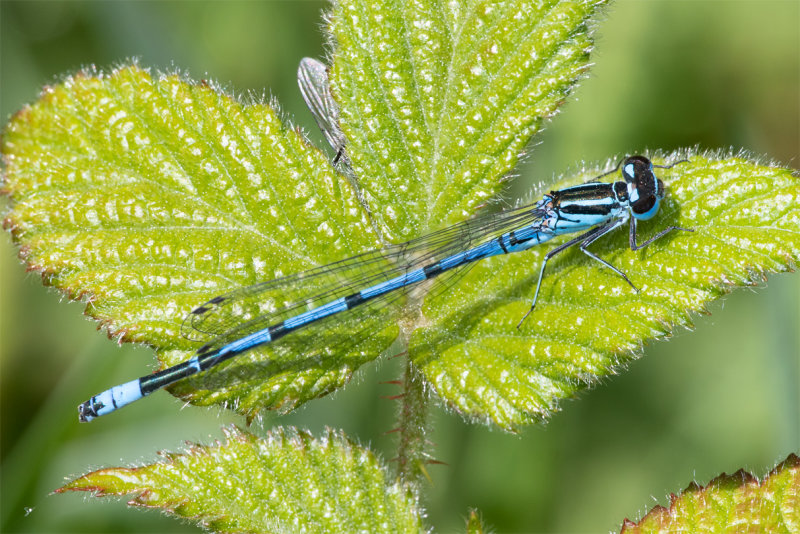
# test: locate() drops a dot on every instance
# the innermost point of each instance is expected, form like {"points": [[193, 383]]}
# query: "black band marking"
{"points": [[596, 209], [502, 245], [432, 270], [158, 380], [278, 331], [351, 301]]}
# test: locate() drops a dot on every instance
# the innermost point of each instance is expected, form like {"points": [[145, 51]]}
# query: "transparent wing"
{"points": [[312, 77], [249, 309]]}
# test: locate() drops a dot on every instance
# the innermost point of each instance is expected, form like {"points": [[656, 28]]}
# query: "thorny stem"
{"points": [[411, 454]]}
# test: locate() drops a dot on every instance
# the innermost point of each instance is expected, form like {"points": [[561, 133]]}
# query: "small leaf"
{"points": [[732, 503], [474, 523], [588, 322], [286, 482], [438, 99]]}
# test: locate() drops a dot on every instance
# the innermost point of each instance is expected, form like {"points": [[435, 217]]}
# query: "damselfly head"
{"points": [[645, 191]]}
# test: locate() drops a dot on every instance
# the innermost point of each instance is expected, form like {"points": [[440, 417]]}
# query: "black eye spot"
{"points": [[646, 185], [635, 167], [644, 204]]}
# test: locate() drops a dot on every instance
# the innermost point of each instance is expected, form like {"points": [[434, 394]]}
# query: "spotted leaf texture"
{"points": [[588, 322], [148, 195], [731, 503], [438, 99], [286, 482]]}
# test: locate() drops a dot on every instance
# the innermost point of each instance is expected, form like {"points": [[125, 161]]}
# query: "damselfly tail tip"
{"points": [[87, 411], [110, 400]]}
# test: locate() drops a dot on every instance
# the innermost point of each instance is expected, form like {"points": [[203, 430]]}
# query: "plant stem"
{"points": [[411, 454]]}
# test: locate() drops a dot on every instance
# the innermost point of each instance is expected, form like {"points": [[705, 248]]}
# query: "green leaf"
{"points": [[150, 196], [588, 322], [732, 503], [438, 99], [474, 523], [286, 482], [147, 197]]}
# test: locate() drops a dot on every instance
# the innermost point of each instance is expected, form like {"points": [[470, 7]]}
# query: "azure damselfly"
{"points": [[373, 282]]}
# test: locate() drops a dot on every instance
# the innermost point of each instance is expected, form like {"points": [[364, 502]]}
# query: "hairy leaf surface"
{"points": [[588, 321], [147, 196], [438, 99], [731, 503], [286, 482]]}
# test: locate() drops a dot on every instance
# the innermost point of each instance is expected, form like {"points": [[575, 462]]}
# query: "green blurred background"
{"points": [[668, 74]]}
